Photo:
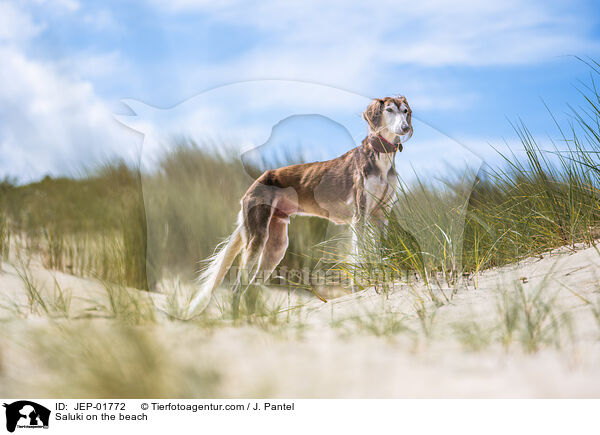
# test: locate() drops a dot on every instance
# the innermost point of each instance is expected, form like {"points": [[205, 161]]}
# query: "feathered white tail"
{"points": [[215, 271]]}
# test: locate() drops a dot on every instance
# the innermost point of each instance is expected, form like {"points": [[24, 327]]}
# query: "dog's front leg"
{"points": [[358, 231], [380, 224]]}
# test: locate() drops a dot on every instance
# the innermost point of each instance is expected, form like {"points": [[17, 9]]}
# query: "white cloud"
{"points": [[71, 5], [439, 32], [94, 66], [15, 25], [52, 120], [67, 5], [52, 123], [363, 46], [101, 20]]}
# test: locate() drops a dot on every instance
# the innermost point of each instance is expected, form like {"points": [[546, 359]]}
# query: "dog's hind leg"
{"points": [[277, 244], [256, 235], [272, 254], [265, 251]]}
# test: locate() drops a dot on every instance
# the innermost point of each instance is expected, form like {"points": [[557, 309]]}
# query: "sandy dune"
{"points": [[359, 345]]}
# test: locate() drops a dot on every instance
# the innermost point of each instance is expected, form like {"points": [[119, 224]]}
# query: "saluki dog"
{"points": [[346, 190]]}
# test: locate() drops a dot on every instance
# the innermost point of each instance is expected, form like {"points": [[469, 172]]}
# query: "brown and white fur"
{"points": [[345, 190]]}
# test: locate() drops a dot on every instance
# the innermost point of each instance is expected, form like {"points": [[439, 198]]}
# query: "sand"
{"points": [[362, 345]]}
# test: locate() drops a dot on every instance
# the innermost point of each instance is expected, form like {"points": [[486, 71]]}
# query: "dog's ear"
{"points": [[373, 113]]}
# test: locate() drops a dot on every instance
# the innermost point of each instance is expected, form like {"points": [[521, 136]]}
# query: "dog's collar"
{"points": [[380, 145]]}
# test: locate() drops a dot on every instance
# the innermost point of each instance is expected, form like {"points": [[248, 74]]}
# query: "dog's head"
{"points": [[390, 117]]}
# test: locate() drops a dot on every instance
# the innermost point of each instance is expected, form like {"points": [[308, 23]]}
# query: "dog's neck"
{"points": [[384, 143]]}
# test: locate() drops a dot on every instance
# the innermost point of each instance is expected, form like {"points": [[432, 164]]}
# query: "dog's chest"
{"points": [[383, 163], [379, 179], [380, 169]]}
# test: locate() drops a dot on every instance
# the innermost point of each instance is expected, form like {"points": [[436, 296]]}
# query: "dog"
{"points": [[346, 190]]}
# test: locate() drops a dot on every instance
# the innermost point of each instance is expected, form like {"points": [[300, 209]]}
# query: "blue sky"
{"points": [[465, 66]]}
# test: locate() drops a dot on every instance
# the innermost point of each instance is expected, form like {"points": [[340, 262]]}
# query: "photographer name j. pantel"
{"points": [[268, 406]]}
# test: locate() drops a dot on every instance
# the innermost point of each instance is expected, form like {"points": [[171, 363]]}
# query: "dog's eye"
{"points": [[404, 110], [389, 109]]}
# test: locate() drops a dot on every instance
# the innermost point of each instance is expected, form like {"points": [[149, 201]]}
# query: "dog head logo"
{"points": [[267, 124], [26, 414]]}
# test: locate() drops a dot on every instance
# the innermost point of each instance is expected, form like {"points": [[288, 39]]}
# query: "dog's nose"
{"points": [[405, 128]]}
